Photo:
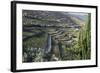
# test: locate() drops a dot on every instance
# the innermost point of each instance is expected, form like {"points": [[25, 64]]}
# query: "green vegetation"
{"points": [[53, 36], [81, 50], [85, 40]]}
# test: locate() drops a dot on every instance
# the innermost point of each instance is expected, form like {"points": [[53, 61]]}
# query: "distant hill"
{"points": [[52, 18], [80, 16]]}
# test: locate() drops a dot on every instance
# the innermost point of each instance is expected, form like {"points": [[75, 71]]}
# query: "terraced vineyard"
{"points": [[55, 36]]}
